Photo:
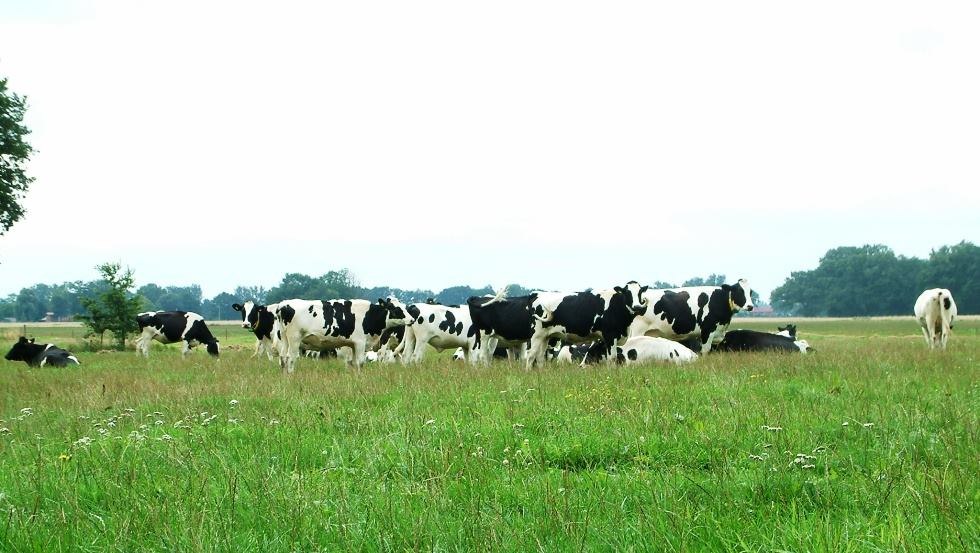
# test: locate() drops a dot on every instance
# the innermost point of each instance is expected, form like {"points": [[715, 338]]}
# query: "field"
{"points": [[869, 444]]}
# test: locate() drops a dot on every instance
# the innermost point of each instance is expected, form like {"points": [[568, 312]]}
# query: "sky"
{"points": [[559, 145]]}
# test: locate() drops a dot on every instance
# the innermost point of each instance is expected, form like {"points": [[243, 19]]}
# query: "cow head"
{"points": [[23, 350], [213, 348], [397, 313], [250, 315], [633, 296], [739, 295]]}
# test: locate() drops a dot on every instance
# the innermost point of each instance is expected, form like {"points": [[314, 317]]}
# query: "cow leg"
{"points": [[185, 350], [925, 334], [358, 352], [419, 352]]}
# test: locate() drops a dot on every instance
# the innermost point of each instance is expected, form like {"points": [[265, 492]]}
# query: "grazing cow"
{"points": [[39, 355], [641, 349], [603, 316], [503, 322], [354, 324], [788, 331], [753, 340], [703, 312], [936, 312], [441, 327], [261, 320], [168, 327]]}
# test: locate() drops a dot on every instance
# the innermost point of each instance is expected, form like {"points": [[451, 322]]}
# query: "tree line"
{"points": [[849, 281]]}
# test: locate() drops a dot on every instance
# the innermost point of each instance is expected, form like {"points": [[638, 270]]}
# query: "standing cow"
{"points": [[503, 322], [702, 312], [936, 312], [168, 327], [600, 315], [261, 320], [442, 327], [39, 355], [354, 324]]}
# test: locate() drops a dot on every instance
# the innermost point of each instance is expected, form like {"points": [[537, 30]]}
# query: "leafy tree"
{"points": [[457, 295], [710, 280], [14, 153], [254, 293], [956, 268], [852, 281], [116, 308], [29, 306]]}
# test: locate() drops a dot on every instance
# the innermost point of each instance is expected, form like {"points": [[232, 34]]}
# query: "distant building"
{"points": [[48, 317]]}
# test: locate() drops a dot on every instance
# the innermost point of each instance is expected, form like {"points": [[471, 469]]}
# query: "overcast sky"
{"points": [[558, 145]]}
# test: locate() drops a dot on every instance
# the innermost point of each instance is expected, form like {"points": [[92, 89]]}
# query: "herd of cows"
{"points": [[626, 324]]}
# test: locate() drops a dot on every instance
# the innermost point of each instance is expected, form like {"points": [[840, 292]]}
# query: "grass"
{"points": [[870, 444]]}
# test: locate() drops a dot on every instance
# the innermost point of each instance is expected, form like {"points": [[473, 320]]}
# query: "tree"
{"points": [[116, 308], [14, 153], [956, 268], [29, 306], [254, 293]]}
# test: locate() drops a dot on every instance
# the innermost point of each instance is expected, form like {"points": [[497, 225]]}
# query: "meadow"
{"points": [[869, 444]]}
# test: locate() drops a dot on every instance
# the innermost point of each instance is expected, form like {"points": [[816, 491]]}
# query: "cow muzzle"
{"points": [[749, 307]]}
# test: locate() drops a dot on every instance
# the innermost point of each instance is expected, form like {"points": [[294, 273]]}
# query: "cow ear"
{"points": [[644, 289], [23, 340], [619, 289], [32, 340], [381, 302], [236, 306]]}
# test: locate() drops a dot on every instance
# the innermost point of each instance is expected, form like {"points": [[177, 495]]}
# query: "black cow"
{"points": [[503, 322], [753, 340], [603, 316], [168, 327], [698, 311], [39, 355], [261, 320]]}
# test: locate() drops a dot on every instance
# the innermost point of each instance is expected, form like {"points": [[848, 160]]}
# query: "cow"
{"points": [[753, 340], [261, 320], [602, 316], [441, 327], [39, 355], [340, 323], [788, 331], [503, 322], [567, 353], [168, 327], [642, 349], [703, 312], [936, 312]]}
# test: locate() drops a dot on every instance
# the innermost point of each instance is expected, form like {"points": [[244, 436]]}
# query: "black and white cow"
{"points": [[703, 312], [503, 322], [602, 316], [567, 353], [442, 327], [643, 349], [753, 340], [788, 331], [39, 355], [261, 320], [935, 311], [168, 327], [354, 324]]}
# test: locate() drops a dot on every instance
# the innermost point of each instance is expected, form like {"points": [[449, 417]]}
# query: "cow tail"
{"points": [[498, 296]]}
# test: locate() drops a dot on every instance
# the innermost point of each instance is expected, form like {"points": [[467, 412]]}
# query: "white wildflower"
{"points": [[678, 417], [83, 441], [845, 423], [4, 430], [165, 438], [868, 424], [233, 402], [430, 421], [27, 411]]}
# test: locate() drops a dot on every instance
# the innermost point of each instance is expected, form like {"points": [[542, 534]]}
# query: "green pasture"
{"points": [[870, 444]]}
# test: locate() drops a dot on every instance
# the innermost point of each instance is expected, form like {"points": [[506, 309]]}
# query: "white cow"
{"points": [[441, 327], [936, 311], [642, 349]]}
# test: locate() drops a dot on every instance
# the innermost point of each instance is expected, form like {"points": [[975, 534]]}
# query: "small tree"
{"points": [[116, 308], [14, 153]]}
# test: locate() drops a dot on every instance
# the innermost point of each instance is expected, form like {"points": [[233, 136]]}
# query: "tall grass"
{"points": [[870, 444]]}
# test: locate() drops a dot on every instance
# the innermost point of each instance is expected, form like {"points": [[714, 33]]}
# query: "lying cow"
{"points": [[602, 316], [261, 320], [703, 312], [168, 327], [643, 349], [753, 340], [354, 324], [936, 312], [567, 353], [441, 327], [39, 355]]}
